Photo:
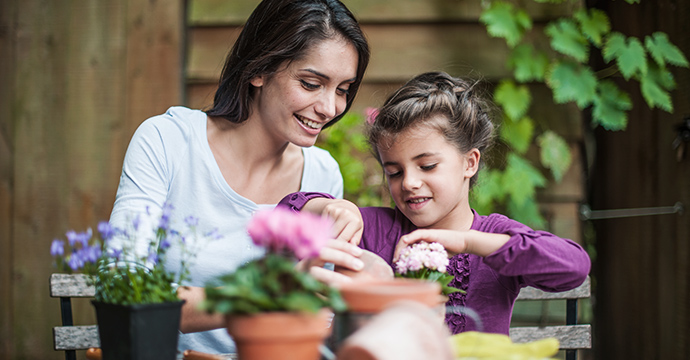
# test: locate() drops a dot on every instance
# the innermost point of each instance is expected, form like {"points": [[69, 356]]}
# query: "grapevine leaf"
{"points": [[567, 39], [489, 189], [518, 134], [662, 50], [571, 82], [610, 106], [504, 21], [655, 85], [514, 99], [555, 154], [594, 25], [629, 54], [527, 64], [521, 179], [527, 213]]}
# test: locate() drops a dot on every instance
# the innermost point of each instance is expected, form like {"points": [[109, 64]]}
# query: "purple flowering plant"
{"points": [[272, 282], [121, 271], [427, 261]]}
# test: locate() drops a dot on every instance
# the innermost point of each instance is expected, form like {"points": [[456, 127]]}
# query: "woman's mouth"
{"points": [[308, 123]]}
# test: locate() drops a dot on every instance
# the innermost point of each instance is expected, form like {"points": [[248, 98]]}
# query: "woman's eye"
{"points": [[344, 92], [309, 86], [428, 167]]}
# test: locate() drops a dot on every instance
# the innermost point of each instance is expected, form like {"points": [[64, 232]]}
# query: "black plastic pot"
{"points": [[138, 332]]}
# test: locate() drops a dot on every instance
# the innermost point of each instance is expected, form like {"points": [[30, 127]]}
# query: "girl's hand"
{"points": [[337, 252], [347, 220], [455, 242]]}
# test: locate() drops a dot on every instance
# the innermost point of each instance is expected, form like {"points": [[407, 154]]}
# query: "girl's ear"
{"points": [[472, 162]]}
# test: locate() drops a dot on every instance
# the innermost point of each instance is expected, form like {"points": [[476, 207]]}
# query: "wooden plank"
{"points": [[75, 337], [218, 12], [71, 285], [8, 13], [568, 336], [398, 51], [580, 292]]}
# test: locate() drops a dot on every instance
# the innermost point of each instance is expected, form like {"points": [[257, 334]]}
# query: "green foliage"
{"points": [[348, 145], [504, 20], [514, 99], [567, 39], [527, 63], [662, 51], [271, 283], [555, 153], [566, 71], [571, 81], [628, 53], [433, 275]]}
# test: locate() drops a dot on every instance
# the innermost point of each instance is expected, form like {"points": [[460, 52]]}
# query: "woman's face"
{"points": [[304, 95]]}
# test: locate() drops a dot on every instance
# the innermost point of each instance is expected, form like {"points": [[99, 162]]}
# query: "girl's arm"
{"points": [[456, 242]]}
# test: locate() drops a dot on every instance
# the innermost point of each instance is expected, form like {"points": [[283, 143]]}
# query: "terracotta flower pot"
{"points": [[279, 335], [367, 298]]}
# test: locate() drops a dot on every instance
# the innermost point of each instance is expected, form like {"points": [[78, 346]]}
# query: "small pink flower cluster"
{"points": [[422, 255], [283, 229], [370, 114]]}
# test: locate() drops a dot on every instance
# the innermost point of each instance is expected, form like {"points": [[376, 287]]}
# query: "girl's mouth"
{"points": [[417, 203]]}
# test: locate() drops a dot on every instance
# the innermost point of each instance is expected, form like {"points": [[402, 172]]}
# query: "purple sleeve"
{"points": [[537, 258], [296, 201]]}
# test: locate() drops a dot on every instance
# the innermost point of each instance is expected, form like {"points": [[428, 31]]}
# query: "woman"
{"points": [[294, 70]]}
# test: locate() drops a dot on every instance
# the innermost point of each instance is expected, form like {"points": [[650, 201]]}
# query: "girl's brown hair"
{"points": [[428, 95]]}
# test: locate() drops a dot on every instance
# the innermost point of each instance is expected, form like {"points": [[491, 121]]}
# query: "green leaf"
{"points": [[521, 179], [489, 189], [514, 99], [610, 106], [572, 82], [663, 51], [629, 54], [655, 86], [505, 21], [518, 134], [527, 63], [554, 154], [594, 24], [567, 39]]}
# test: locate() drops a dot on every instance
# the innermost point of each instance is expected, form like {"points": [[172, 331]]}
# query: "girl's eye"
{"points": [[428, 167], [394, 174], [309, 86]]}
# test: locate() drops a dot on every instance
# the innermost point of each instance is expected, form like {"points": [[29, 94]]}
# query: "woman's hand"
{"points": [[337, 252], [347, 219]]}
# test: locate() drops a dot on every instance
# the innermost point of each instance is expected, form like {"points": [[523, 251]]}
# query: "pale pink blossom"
{"points": [[422, 255], [371, 113]]}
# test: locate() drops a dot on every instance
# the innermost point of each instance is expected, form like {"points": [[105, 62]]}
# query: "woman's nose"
{"points": [[328, 105]]}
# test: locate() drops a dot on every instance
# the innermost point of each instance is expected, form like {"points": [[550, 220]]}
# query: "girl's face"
{"points": [[429, 178], [304, 95]]}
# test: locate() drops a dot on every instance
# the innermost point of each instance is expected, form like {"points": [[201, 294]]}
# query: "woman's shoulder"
{"points": [[175, 119], [320, 157]]}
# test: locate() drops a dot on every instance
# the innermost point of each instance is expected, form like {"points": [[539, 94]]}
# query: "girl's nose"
{"points": [[411, 182]]}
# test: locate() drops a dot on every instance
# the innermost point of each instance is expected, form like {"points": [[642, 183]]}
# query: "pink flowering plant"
{"points": [[272, 283], [122, 275], [427, 261]]}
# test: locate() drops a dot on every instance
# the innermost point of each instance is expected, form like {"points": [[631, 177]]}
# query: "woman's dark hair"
{"points": [[279, 31], [428, 95]]}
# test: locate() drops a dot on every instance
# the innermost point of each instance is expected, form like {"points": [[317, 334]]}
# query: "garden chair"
{"points": [[571, 336]]}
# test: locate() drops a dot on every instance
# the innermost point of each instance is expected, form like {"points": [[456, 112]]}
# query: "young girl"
{"points": [[429, 137]]}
